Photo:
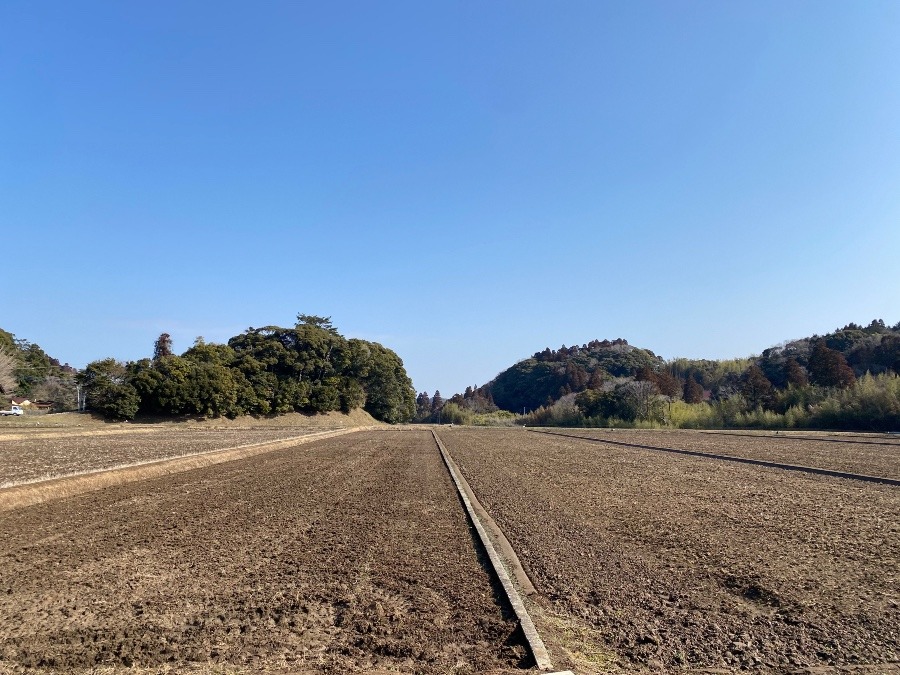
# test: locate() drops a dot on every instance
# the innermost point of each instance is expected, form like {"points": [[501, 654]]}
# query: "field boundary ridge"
{"points": [[38, 492], [535, 643], [732, 458]]}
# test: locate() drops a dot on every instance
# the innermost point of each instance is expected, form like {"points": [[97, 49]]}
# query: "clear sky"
{"points": [[465, 182]]}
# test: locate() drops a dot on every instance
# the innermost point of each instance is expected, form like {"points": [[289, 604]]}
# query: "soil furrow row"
{"points": [[783, 448], [733, 458]]}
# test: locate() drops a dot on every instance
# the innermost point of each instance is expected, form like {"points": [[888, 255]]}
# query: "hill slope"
{"points": [[551, 374], [832, 360]]}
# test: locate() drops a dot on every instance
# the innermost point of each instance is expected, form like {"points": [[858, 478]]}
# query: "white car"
{"points": [[13, 410]]}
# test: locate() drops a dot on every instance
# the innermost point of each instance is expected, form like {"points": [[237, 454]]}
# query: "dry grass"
{"points": [[87, 423]]}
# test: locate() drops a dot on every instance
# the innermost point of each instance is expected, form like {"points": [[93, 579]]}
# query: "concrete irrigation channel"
{"points": [[481, 524], [346, 554]]}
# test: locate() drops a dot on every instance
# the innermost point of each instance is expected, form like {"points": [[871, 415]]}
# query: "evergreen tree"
{"points": [[389, 394], [162, 347], [693, 390], [668, 384], [107, 390], [323, 322], [576, 377], [423, 406], [756, 387], [437, 402], [829, 368], [794, 375]]}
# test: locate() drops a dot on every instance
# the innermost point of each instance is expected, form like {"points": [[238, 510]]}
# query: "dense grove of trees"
{"points": [[270, 370], [845, 379]]}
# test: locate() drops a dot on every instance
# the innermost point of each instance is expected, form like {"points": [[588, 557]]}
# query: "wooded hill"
{"points": [[845, 379], [27, 370], [551, 374]]}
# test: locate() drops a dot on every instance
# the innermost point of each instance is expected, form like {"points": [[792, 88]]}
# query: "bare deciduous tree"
{"points": [[8, 365], [59, 390]]}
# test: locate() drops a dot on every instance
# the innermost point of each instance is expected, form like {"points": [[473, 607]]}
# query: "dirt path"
{"points": [[346, 555]]}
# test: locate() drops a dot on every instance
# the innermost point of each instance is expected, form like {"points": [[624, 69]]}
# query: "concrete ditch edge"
{"points": [[535, 643]]}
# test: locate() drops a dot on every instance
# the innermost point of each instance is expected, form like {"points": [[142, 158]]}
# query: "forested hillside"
{"points": [[550, 375], [27, 370], [307, 368], [845, 379]]}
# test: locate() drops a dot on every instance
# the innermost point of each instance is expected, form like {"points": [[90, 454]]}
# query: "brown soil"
{"points": [[345, 555], [861, 454], [655, 562], [36, 459], [42, 453]]}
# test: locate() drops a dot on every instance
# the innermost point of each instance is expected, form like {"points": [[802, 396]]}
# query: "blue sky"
{"points": [[465, 182]]}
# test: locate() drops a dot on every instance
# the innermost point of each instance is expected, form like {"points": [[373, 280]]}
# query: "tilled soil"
{"points": [[669, 563], [345, 555], [867, 455], [41, 456]]}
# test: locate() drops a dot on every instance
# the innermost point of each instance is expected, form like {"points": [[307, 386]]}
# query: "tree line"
{"points": [[308, 368], [844, 379]]}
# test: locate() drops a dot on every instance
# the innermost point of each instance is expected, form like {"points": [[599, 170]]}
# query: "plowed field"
{"points": [[36, 455], [670, 563], [341, 556], [869, 455]]}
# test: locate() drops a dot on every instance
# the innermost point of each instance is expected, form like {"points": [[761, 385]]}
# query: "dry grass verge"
{"points": [[34, 426]]}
